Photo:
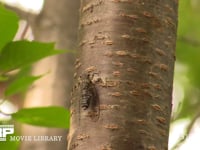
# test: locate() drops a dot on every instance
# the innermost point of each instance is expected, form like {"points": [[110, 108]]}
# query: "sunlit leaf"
{"points": [[22, 53], [8, 26], [20, 85], [44, 116]]}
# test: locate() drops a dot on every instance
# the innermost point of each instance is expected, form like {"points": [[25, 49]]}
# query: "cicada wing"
{"points": [[95, 106]]}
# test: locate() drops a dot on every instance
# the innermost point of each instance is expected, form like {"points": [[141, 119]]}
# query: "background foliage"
{"points": [[188, 58], [18, 55], [186, 102]]}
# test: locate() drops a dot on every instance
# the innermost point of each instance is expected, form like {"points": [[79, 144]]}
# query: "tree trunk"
{"points": [[58, 22], [125, 67]]}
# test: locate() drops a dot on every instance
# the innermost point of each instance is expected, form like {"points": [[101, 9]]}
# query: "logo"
{"points": [[5, 130]]}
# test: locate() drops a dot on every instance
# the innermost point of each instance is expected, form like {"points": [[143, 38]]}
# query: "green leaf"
{"points": [[8, 26], [3, 78], [44, 116], [20, 85], [22, 53], [24, 71]]}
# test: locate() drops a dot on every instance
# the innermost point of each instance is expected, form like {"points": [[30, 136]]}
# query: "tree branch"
{"points": [[189, 40], [187, 132]]}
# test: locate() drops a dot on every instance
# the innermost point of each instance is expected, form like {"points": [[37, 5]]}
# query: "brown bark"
{"points": [[128, 46], [58, 22]]}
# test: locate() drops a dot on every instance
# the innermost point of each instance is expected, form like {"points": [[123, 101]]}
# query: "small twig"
{"points": [[187, 132], [189, 40], [25, 30]]}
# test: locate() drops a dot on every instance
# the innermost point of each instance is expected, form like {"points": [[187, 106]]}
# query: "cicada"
{"points": [[89, 99]]}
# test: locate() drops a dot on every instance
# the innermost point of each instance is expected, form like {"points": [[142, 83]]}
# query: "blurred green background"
{"points": [[186, 95]]}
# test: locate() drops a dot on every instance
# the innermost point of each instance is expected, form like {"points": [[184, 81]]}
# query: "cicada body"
{"points": [[89, 96]]}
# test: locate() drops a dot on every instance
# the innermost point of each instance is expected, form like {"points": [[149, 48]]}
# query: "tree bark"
{"points": [[127, 51]]}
